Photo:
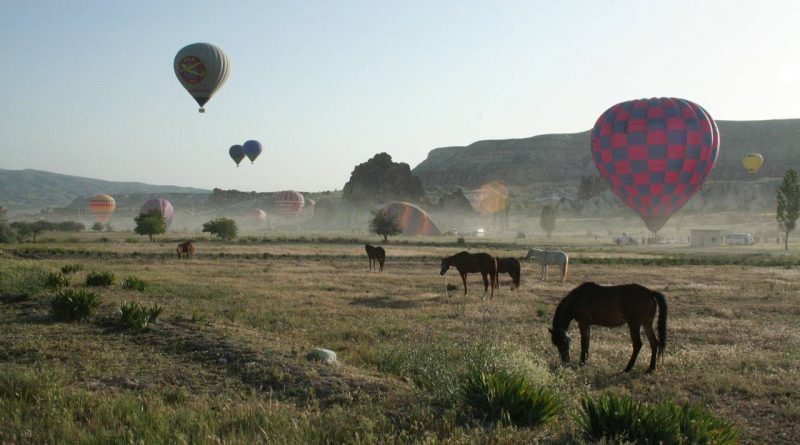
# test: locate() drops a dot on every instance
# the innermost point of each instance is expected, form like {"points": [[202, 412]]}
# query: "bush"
{"points": [[74, 304], [508, 398], [136, 317], [71, 268], [461, 241], [133, 283], [620, 417], [56, 280], [100, 279]]}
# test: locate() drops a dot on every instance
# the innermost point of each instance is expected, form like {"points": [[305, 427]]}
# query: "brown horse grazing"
{"points": [[375, 254], [185, 248], [611, 306], [467, 262], [512, 268]]}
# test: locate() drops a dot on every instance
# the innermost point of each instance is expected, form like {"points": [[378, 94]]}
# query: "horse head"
{"points": [[445, 266], [561, 339]]}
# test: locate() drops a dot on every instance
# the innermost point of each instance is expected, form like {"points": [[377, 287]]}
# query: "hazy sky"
{"points": [[87, 87]]}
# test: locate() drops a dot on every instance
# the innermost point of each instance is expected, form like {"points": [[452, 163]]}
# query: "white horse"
{"points": [[545, 257]]}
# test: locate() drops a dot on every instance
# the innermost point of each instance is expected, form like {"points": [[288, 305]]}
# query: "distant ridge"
{"points": [[561, 158], [35, 189]]}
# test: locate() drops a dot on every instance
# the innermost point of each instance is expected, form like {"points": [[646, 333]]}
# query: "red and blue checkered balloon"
{"points": [[655, 154]]}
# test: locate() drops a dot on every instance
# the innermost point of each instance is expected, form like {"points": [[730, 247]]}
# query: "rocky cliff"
{"points": [[564, 158]]}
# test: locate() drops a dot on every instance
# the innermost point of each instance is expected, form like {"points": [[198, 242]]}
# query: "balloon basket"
{"points": [[201, 110]]}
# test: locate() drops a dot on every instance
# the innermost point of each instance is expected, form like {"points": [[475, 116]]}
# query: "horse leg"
{"points": [[636, 339], [651, 337], [464, 279], [544, 268], [585, 329], [485, 277]]}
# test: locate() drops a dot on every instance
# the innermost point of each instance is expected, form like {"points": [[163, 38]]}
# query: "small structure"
{"points": [[705, 238]]}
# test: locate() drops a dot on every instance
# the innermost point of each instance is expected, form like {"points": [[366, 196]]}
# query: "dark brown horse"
{"points": [[186, 248], [512, 268], [467, 262], [612, 306], [375, 254]]}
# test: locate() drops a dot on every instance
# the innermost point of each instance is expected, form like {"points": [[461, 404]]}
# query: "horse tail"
{"points": [[662, 321], [495, 280], [517, 273]]}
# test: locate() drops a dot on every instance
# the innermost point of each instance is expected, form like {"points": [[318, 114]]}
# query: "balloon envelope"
{"points": [[413, 220], [289, 203], [102, 207], [163, 206], [201, 68], [236, 152], [258, 215], [752, 162], [252, 149], [655, 154]]}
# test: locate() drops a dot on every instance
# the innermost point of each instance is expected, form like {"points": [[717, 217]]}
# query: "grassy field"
{"points": [[225, 363]]}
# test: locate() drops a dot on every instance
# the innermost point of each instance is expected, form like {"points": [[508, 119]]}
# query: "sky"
{"points": [[87, 88]]}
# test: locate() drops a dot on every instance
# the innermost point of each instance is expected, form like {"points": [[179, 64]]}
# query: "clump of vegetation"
{"points": [[71, 268], [788, 205], [547, 219], [613, 417], [74, 305], [198, 317], [384, 223], [134, 283], [225, 228], [461, 241], [150, 223], [97, 227], [34, 228], [508, 398], [137, 317], [104, 279], [56, 280]]}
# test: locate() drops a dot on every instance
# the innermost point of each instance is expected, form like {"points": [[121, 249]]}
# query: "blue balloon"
{"points": [[252, 149]]}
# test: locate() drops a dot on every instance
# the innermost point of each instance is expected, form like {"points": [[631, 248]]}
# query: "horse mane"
{"points": [[563, 314]]}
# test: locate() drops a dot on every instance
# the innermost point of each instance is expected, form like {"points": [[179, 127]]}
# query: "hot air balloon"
{"points": [[413, 220], [236, 153], [752, 162], [257, 215], [201, 68], [163, 206], [289, 203], [655, 154], [102, 207], [252, 149]]}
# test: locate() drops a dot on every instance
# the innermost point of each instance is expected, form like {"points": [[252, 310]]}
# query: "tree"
{"points": [[224, 228], [381, 180], [25, 228], [788, 205], [7, 233], [150, 223], [97, 227], [384, 223], [548, 219]]}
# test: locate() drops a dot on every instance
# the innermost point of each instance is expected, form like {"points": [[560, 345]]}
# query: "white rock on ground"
{"points": [[324, 355]]}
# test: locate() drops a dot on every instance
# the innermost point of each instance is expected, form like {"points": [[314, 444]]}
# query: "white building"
{"points": [[705, 238]]}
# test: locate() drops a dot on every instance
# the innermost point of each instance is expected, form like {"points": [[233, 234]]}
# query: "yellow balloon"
{"points": [[752, 162]]}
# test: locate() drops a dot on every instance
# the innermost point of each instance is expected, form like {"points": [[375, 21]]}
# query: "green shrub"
{"points": [[508, 398], [620, 417], [100, 279], [56, 280], [137, 317], [198, 317], [133, 283], [74, 304], [71, 268]]}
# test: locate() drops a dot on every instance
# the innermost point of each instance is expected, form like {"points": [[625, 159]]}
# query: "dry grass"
{"points": [[734, 337]]}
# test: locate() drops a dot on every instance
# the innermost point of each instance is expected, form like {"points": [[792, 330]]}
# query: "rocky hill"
{"points": [[565, 158], [35, 189]]}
